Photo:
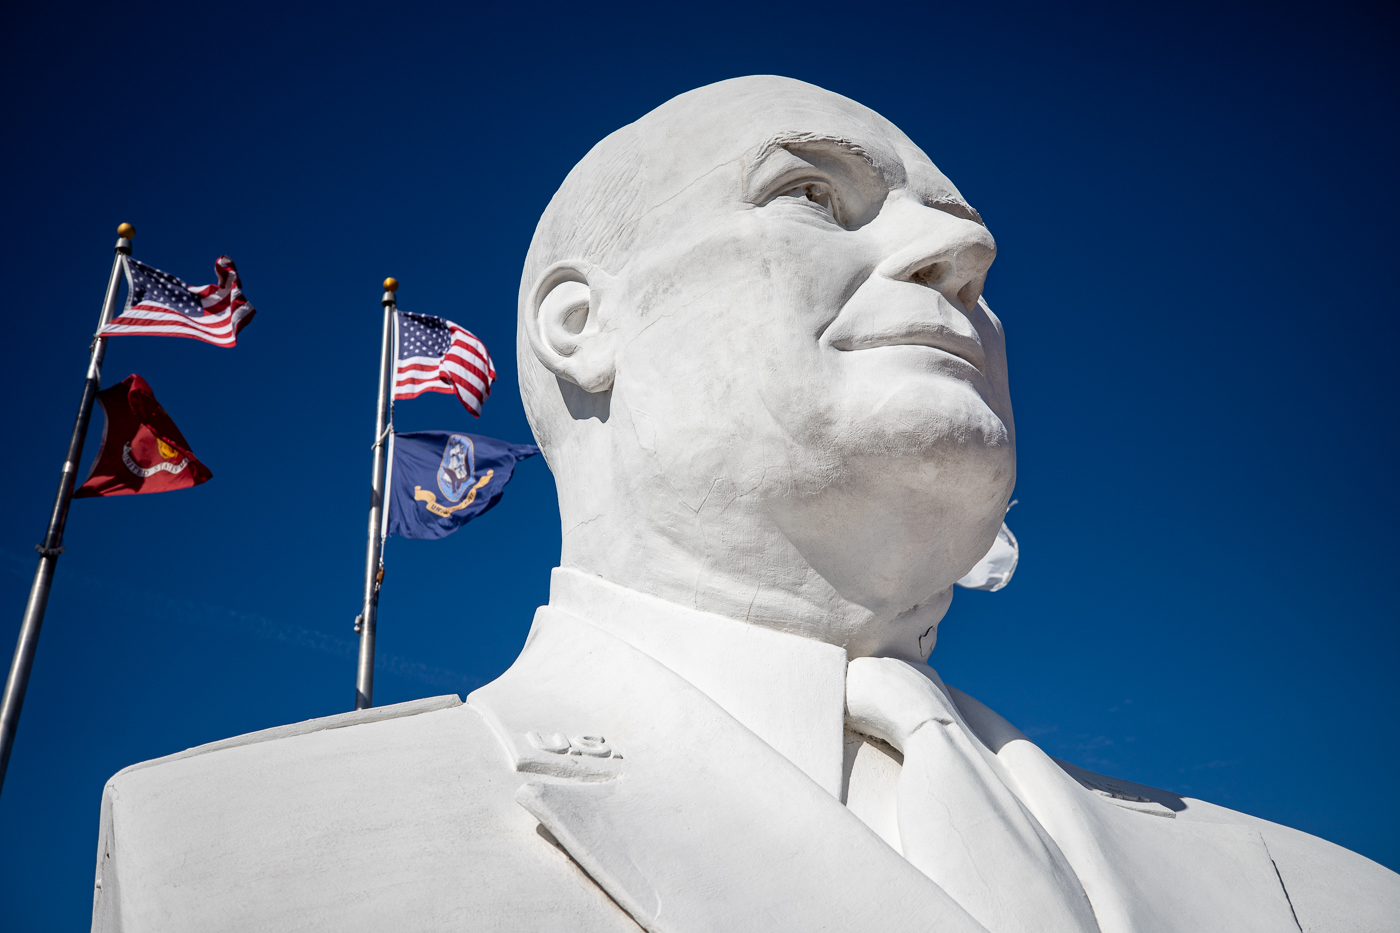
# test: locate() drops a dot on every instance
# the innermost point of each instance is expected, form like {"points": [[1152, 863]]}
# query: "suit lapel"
{"points": [[686, 818], [1143, 873]]}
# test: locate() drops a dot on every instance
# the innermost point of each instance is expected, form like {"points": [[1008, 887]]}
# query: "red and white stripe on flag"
{"points": [[160, 305], [434, 354]]}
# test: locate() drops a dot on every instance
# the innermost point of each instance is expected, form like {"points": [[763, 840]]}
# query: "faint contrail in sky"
{"points": [[250, 623]]}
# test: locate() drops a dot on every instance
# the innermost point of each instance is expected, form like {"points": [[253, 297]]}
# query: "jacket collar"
{"points": [[663, 776], [788, 690], [687, 818], [1143, 873]]}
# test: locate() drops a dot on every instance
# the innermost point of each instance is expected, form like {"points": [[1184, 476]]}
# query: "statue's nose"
{"points": [[939, 250]]}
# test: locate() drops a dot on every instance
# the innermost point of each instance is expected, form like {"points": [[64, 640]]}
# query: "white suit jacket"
{"points": [[592, 788]]}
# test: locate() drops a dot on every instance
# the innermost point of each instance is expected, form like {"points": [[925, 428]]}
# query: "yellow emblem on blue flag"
{"points": [[440, 480]]}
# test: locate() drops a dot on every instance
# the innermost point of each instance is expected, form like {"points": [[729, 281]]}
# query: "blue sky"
{"points": [[1194, 208]]}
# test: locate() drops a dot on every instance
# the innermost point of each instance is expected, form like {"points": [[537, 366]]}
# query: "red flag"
{"points": [[142, 450]]}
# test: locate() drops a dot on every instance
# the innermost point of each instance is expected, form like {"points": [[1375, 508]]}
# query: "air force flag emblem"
{"points": [[440, 480]]}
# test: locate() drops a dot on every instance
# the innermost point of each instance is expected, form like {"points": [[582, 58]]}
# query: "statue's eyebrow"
{"points": [[836, 145], [758, 174]]}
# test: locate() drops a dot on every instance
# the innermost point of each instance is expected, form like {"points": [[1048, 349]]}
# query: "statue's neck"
{"points": [[748, 571]]}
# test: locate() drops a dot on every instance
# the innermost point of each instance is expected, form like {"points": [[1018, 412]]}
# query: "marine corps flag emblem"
{"points": [[142, 450]]}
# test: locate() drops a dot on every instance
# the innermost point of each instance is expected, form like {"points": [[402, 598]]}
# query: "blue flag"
{"points": [[440, 480]]}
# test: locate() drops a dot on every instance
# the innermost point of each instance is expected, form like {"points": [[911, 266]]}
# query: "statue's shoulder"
{"points": [[399, 817], [306, 727], [1330, 888]]}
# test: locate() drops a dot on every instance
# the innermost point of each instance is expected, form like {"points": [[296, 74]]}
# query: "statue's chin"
{"points": [[930, 416], [909, 500], [887, 550]]}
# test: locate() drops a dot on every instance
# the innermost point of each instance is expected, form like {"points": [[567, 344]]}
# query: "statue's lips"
{"points": [[920, 334]]}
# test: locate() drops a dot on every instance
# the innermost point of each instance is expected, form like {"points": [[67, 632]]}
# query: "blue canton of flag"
{"points": [[153, 285], [440, 480], [160, 305], [435, 355]]}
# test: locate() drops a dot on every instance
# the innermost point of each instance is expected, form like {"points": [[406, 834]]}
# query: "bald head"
{"points": [[731, 130], [751, 328]]}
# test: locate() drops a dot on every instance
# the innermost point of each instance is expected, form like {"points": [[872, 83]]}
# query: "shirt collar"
{"points": [[788, 690]]}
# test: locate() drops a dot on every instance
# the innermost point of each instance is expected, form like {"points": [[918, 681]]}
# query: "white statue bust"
{"points": [[754, 350]]}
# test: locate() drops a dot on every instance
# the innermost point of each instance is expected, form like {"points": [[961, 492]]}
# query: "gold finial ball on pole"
{"points": [[126, 231], [391, 284]]}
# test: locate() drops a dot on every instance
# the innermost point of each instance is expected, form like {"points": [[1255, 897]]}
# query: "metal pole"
{"points": [[374, 571], [18, 681]]}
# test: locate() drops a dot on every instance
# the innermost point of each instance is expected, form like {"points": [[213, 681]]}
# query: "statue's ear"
{"points": [[569, 328]]}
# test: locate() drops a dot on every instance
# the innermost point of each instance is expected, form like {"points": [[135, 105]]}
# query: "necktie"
{"points": [[958, 822]]}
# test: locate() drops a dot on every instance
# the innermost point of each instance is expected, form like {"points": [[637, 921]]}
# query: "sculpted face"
{"points": [[807, 394]]}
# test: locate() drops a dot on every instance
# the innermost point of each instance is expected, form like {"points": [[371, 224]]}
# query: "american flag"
{"points": [[160, 305], [434, 355]]}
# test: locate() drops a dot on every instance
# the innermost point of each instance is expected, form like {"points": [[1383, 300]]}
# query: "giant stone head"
{"points": [[754, 350]]}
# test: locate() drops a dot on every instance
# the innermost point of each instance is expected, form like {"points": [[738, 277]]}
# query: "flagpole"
{"points": [[18, 681], [374, 570]]}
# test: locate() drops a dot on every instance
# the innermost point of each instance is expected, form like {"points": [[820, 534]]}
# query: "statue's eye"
{"points": [[813, 193]]}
